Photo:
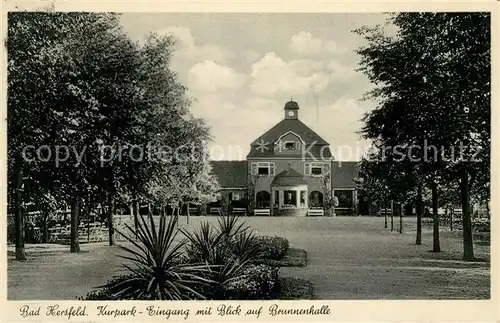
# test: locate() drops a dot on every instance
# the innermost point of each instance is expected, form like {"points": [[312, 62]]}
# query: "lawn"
{"points": [[347, 258]]}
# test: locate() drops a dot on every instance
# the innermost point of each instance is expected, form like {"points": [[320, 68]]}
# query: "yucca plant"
{"points": [[157, 271], [246, 246], [225, 269], [229, 226], [201, 242], [227, 249]]}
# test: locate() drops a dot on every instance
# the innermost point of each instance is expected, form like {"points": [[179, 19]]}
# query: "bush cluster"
{"points": [[218, 262], [258, 282], [107, 291], [273, 247], [232, 252]]}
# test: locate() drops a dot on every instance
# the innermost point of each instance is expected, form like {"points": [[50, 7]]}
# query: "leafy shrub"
{"points": [[157, 271], [481, 225], [257, 282], [228, 249], [106, 292], [273, 247]]}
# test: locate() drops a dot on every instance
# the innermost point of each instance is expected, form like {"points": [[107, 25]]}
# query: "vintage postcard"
{"points": [[246, 162]]}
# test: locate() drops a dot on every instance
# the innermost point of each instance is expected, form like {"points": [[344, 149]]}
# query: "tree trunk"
{"points": [[45, 236], [111, 226], [392, 216], [75, 210], [400, 211], [87, 215], [435, 218], [419, 210], [177, 213], [451, 220], [466, 217], [187, 213], [135, 211], [385, 220], [19, 217]]}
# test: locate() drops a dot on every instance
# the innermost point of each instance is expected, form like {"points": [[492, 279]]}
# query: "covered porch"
{"points": [[289, 196]]}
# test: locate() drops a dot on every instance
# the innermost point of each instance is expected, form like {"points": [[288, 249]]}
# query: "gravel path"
{"points": [[348, 258]]}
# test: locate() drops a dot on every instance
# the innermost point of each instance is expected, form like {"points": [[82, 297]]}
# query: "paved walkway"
{"points": [[349, 258], [389, 265]]}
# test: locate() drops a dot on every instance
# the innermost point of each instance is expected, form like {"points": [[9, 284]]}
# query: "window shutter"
{"points": [[254, 169], [271, 168], [307, 169]]}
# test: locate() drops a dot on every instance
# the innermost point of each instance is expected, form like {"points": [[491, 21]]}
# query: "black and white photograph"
{"points": [[248, 156]]}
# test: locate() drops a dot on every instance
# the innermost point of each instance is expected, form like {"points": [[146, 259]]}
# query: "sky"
{"points": [[241, 69]]}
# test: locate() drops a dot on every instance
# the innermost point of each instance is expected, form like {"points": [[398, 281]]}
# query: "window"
{"points": [[315, 169], [262, 200], [234, 196], [290, 198], [303, 198], [345, 198], [263, 168], [290, 145], [276, 197], [316, 199]]}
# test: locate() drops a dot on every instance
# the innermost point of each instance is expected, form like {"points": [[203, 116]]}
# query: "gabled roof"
{"points": [[294, 125], [343, 173], [288, 177], [230, 173], [318, 151]]}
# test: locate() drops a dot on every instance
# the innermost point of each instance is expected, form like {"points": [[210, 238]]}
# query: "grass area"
{"points": [[347, 258], [295, 288], [294, 258]]}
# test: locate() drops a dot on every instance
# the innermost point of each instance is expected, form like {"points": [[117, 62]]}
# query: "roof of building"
{"points": [[343, 173], [291, 105], [231, 173], [288, 177], [318, 151], [294, 125]]}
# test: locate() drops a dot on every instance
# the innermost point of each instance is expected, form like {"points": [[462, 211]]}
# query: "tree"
{"points": [[185, 174], [326, 187], [427, 97], [86, 87], [386, 180], [374, 184], [205, 187]]}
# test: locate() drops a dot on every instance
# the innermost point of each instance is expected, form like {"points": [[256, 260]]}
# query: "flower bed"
{"points": [[272, 247], [221, 262]]}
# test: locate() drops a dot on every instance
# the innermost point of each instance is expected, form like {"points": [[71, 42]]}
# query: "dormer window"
{"points": [[290, 145]]}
